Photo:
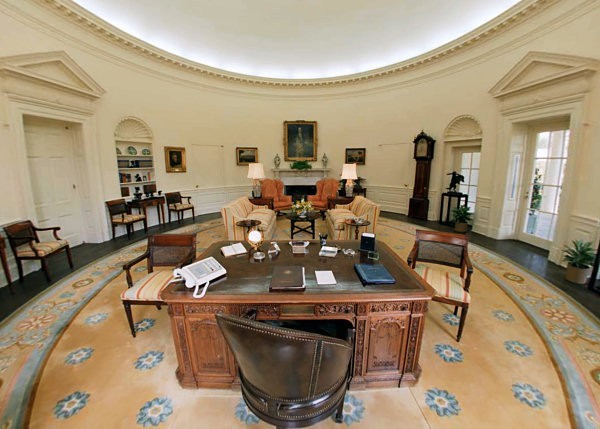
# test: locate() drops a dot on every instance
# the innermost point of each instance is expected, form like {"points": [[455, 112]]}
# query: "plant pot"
{"points": [[577, 275], [461, 227]]}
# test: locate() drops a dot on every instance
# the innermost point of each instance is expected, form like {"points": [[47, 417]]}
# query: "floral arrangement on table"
{"points": [[301, 206]]}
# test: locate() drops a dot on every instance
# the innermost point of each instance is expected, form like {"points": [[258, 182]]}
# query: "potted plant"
{"points": [[300, 165], [580, 258], [462, 216]]}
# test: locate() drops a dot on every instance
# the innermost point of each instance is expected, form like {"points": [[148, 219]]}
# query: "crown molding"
{"points": [[84, 19]]}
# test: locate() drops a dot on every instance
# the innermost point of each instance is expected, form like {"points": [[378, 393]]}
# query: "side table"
{"points": [[353, 223], [333, 201], [248, 224], [262, 202], [143, 203]]}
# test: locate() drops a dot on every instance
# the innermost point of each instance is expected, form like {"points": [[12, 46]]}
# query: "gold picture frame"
{"points": [[356, 155], [175, 159], [246, 155], [300, 140]]}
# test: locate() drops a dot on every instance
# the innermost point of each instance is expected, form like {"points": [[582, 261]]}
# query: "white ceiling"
{"points": [[297, 39]]}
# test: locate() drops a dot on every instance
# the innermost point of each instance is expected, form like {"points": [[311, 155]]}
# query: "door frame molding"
{"points": [[84, 137], [52, 85]]}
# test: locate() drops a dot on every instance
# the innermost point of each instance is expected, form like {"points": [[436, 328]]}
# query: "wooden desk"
{"points": [[389, 319], [144, 203]]}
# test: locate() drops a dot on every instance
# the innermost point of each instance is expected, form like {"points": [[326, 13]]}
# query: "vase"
{"points": [[277, 161]]}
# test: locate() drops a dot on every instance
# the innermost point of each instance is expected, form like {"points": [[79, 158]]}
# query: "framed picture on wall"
{"points": [[300, 140], [356, 155], [246, 155], [175, 159]]}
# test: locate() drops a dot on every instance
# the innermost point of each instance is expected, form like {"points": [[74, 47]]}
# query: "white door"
{"points": [[546, 159], [50, 156]]}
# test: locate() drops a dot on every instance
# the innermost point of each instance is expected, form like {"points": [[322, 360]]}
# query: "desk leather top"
{"points": [[248, 280]]}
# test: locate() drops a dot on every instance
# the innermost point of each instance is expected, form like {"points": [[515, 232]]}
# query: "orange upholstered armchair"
{"points": [[325, 188], [273, 188]]}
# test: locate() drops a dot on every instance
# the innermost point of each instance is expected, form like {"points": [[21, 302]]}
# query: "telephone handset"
{"points": [[198, 274]]}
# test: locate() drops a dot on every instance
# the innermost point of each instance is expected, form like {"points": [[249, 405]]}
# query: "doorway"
{"points": [[466, 161], [53, 174], [545, 162]]}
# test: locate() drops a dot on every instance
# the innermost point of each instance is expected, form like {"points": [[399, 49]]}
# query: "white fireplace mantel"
{"points": [[291, 177]]}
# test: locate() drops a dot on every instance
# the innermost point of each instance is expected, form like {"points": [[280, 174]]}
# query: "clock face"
{"points": [[421, 151]]}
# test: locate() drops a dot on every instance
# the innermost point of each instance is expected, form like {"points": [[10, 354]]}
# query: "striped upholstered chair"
{"points": [[172, 250], [120, 214], [26, 245], [430, 256]]}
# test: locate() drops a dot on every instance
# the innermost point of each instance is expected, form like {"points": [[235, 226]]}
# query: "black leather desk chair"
{"points": [[289, 378]]}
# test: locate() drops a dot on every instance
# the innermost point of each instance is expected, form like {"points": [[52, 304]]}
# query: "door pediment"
{"points": [[54, 69], [542, 69]]}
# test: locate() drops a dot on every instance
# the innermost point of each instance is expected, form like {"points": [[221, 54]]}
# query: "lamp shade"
{"points": [[349, 172], [256, 171]]}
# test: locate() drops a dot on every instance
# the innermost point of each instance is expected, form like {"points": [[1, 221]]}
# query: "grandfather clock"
{"points": [[419, 203]]}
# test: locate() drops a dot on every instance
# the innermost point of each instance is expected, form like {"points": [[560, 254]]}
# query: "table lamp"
{"points": [[255, 238], [349, 173], [256, 172]]}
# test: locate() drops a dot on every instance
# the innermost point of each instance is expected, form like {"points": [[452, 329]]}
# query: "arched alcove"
{"points": [[135, 156]]}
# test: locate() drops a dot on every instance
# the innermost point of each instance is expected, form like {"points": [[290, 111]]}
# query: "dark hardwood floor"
{"points": [[530, 257]]}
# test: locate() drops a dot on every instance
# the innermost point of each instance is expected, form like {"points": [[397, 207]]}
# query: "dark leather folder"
{"points": [[373, 274], [287, 278]]}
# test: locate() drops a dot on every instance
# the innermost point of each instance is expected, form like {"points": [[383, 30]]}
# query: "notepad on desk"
{"points": [[233, 249], [374, 274], [325, 277], [287, 278]]}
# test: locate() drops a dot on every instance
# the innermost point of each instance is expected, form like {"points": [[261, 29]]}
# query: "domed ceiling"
{"points": [[297, 39]]}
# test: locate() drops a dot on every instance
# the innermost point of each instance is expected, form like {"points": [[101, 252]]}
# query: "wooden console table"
{"points": [[389, 319], [144, 203]]}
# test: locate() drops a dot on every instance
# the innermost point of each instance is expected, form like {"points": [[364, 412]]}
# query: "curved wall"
{"points": [[211, 116]]}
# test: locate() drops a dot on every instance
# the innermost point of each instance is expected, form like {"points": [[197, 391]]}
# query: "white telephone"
{"points": [[198, 274]]}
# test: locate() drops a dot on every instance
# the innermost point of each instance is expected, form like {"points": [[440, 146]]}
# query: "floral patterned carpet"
{"points": [[529, 356]]}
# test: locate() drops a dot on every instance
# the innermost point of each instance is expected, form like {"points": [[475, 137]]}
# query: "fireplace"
{"points": [[300, 191], [300, 183]]}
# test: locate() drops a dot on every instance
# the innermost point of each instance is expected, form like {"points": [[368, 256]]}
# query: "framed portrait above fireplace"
{"points": [[300, 140]]}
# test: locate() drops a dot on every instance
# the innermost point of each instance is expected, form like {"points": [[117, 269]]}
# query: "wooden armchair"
{"points": [[273, 188], [175, 204], [451, 286], [120, 214], [173, 250], [326, 188], [26, 245]]}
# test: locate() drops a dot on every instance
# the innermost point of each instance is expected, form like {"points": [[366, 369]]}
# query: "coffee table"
{"points": [[308, 218]]}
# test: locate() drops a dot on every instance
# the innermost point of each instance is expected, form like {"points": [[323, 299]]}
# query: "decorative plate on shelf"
{"points": [[119, 152], [131, 150], [146, 152]]}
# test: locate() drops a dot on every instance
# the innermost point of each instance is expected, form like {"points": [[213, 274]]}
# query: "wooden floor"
{"points": [[530, 257]]}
